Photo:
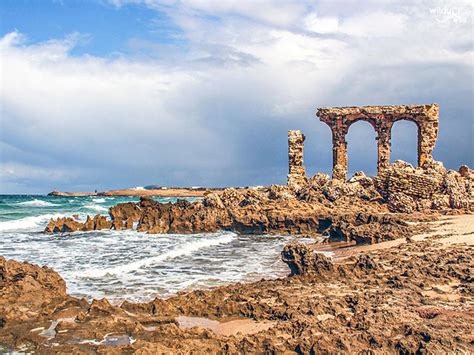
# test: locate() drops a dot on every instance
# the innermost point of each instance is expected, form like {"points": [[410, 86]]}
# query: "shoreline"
{"points": [[366, 300]]}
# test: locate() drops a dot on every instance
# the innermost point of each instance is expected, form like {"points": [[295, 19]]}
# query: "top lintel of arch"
{"points": [[427, 112]]}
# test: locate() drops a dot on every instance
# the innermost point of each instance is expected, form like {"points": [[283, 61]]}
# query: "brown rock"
{"points": [[302, 260], [26, 290]]}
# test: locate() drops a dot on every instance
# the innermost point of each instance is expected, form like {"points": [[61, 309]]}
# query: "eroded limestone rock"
{"points": [[26, 290], [302, 260]]}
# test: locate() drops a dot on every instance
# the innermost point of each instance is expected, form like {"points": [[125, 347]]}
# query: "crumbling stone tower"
{"points": [[296, 174], [382, 118]]}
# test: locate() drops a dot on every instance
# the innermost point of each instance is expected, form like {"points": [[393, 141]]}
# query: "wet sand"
{"points": [[225, 327]]}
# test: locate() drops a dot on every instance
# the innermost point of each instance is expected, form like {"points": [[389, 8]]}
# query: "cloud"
{"points": [[216, 111]]}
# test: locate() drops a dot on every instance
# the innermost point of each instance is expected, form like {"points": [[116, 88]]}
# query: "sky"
{"points": [[105, 94]]}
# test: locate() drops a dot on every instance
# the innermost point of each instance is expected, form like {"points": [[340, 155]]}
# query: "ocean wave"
{"points": [[98, 200], [96, 208], [27, 223], [181, 250], [37, 203]]}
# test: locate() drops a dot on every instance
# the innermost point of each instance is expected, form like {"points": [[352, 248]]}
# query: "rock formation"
{"points": [[27, 291], [353, 210]]}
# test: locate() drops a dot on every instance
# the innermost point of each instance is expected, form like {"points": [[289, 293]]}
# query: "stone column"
{"points": [[427, 136], [339, 154], [384, 136], [296, 171]]}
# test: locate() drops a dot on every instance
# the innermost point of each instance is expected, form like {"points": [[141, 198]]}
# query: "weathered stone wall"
{"points": [[432, 186], [382, 118], [411, 184], [296, 171]]}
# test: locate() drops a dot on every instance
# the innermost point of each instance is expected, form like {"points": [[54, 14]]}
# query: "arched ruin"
{"points": [[382, 118]]}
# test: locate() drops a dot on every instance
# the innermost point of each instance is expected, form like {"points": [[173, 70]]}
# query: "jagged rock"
{"points": [[124, 215], [27, 289], [365, 261], [231, 197], [63, 225], [67, 224], [279, 192], [465, 172], [213, 200], [319, 180], [456, 188], [97, 223], [280, 209], [366, 228], [409, 189], [254, 198], [302, 260]]}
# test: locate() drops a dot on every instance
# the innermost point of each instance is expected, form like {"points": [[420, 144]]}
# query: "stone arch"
{"points": [[381, 118], [412, 130], [351, 120], [427, 132], [368, 134]]}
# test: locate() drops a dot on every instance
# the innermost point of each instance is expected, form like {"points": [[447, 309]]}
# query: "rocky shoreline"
{"points": [[413, 297], [362, 209], [411, 292]]}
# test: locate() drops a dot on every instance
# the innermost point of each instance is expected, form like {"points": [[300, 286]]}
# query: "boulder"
{"points": [[26, 290]]}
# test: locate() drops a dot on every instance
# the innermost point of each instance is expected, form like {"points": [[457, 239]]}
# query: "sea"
{"points": [[131, 265]]}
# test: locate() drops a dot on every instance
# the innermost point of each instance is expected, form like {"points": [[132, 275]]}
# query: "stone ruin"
{"points": [[382, 118], [405, 188], [296, 173]]}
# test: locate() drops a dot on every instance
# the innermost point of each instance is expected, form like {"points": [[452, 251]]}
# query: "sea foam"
{"points": [[28, 223], [36, 203], [182, 250], [96, 208]]}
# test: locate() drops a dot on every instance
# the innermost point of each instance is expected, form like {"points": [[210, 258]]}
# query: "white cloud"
{"points": [[376, 24], [319, 24]]}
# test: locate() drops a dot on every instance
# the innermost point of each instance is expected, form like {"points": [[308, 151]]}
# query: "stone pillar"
{"points": [[296, 171], [384, 136], [427, 133], [427, 136], [339, 154]]}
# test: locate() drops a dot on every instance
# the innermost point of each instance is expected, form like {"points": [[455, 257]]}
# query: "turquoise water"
{"points": [[127, 264], [25, 211]]}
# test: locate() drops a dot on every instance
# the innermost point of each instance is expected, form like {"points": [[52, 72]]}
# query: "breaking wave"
{"points": [[36, 203], [182, 250], [28, 222], [96, 208]]}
